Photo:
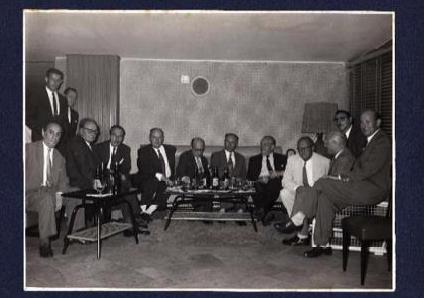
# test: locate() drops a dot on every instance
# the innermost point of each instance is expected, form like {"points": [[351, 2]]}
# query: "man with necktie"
{"points": [[266, 169], [302, 171], [356, 141], [192, 161], [368, 183], [229, 159], [46, 104], [45, 176], [156, 166]]}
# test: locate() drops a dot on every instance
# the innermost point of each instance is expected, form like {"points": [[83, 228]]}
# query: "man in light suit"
{"points": [[45, 175], [46, 104], [302, 171], [229, 159], [156, 166], [368, 183]]}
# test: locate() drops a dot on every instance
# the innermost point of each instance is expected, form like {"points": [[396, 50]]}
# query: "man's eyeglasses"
{"points": [[340, 119], [89, 130]]}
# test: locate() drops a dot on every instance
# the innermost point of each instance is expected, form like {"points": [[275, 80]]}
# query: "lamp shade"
{"points": [[318, 117]]}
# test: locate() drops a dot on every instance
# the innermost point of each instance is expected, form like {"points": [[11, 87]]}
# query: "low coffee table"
{"points": [[208, 195], [100, 202]]}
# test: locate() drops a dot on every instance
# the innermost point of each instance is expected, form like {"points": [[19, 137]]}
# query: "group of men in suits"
{"points": [[365, 180]]}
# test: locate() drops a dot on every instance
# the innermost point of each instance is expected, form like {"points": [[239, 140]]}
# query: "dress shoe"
{"points": [[141, 223], [45, 251], [146, 217], [241, 223], [296, 241], [130, 233], [317, 251], [287, 228], [207, 222], [267, 219]]}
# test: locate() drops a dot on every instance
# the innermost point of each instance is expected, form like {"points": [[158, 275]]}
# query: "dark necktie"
{"points": [[305, 176], [268, 164], [162, 162], [230, 164], [330, 170], [54, 104], [113, 157], [49, 169]]}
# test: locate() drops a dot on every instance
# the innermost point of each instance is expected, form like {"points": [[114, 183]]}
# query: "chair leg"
{"points": [[364, 260], [346, 242], [389, 254]]}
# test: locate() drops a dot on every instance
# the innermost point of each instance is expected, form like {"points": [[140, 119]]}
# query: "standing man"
{"points": [[72, 115], [356, 141], [82, 160], [368, 183], [46, 104], [302, 171], [229, 159], [266, 168], [112, 152], [156, 166], [45, 175]]}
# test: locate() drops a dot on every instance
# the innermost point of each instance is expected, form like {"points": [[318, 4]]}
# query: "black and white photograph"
{"points": [[208, 150]]}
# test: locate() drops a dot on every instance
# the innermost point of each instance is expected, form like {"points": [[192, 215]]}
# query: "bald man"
{"points": [[368, 183]]}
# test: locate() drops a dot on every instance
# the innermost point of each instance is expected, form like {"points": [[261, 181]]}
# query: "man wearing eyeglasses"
{"points": [[356, 141], [82, 160], [302, 171]]}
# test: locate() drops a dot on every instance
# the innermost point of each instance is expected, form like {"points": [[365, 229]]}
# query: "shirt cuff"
{"points": [[159, 176], [296, 187]]}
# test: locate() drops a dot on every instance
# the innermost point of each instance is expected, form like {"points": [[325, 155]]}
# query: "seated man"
{"points": [[82, 160], [192, 162], [233, 162], [45, 175], [367, 184], [156, 165], [302, 171], [266, 168], [112, 152], [229, 159], [340, 164]]}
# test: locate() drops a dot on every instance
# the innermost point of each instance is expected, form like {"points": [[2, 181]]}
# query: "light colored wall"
{"points": [[251, 99]]}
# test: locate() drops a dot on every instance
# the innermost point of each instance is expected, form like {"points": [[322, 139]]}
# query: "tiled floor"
{"points": [[192, 255]]}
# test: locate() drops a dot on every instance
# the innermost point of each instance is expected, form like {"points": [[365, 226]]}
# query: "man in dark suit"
{"points": [[45, 176], [72, 115], [356, 141], [82, 160], [266, 168], [229, 159], [46, 104], [193, 162], [156, 166], [368, 183], [114, 152]]}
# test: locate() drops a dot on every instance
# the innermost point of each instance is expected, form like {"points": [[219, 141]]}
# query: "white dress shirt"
{"points": [[233, 157], [264, 168], [165, 159], [69, 115], [56, 96], [347, 133], [372, 136], [111, 148], [45, 156]]}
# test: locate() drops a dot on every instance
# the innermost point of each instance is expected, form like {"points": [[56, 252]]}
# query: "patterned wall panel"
{"points": [[250, 99]]}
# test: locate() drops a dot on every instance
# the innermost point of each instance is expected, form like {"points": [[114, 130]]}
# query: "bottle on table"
{"points": [[116, 187], [215, 178], [226, 178]]}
